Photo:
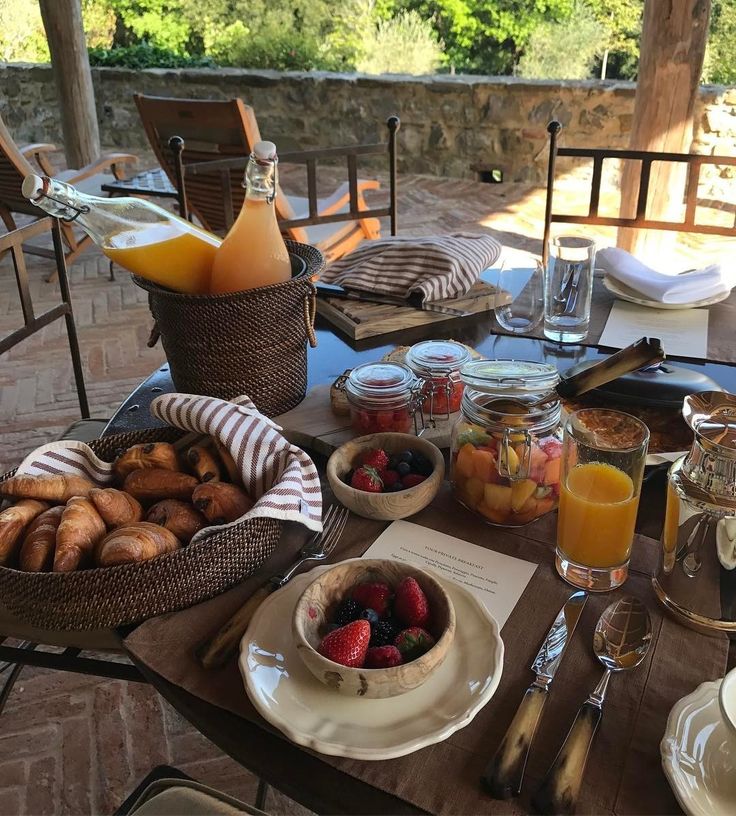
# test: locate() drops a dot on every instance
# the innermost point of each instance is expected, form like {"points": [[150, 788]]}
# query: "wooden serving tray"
{"points": [[359, 319]]}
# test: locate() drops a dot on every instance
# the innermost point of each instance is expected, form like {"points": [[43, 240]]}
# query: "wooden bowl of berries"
{"points": [[373, 628], [386, 476]]}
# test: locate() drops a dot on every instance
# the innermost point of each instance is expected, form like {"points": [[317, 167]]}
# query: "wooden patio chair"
{"points": [[213, 130], [693, 162], [15, 166]]}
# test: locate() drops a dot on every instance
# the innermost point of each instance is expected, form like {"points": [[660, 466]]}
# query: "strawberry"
{"points": [[348, 644], [412, 480], [375, 458], [390, 478], [374, 595], [383, 657], [411, 606], [413, 643], [368, 479], [552, 447]]}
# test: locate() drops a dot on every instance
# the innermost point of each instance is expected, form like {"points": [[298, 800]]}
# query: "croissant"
{"points": [[178, 517], [80, 530], [151, 485], [160, 455], [37, 550], [116, 507], [228, 461], [13, 521], [221, 502], [135, 542], [54, 488], [204, 464]]}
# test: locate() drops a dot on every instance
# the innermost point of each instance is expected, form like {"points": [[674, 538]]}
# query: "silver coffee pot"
{"points": [[696, 574]]}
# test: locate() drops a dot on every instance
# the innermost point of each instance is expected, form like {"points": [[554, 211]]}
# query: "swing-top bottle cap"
{"points": [[264, 151], [34, 186]]}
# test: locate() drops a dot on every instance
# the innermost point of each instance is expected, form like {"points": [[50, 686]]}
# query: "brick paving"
{"points": [[78, 745]]}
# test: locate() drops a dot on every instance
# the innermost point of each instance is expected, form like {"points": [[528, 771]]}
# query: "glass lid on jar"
{"points": [[436, 357], [378, 380], [510, 378]]}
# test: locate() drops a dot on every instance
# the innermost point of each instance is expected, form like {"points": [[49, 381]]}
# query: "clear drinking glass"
{"points": [[568, 286], [525, 287], [603, 457]]}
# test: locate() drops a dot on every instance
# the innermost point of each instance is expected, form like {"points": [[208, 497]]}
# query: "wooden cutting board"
{"points": [[314, 425], [359, 319]]}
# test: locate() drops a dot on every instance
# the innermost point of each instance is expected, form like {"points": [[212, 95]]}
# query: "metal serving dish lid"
{"points": [[510, 378]]}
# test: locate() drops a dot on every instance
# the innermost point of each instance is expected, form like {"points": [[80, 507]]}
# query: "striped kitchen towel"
{"points": [[278, 476], [437, 267]]}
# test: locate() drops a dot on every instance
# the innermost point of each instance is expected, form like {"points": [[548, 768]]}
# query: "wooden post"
{"points": [[62, 20], [673, 42]]}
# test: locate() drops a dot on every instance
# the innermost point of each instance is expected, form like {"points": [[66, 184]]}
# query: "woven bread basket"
{"points": [[103, 598], [252, 342]]}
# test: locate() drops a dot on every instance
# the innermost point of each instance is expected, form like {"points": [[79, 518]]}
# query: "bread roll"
{"points": [[152, 485], [116, 507], [221, 502], [13, 522], [53, 488], [159, 455], [80, 530], [135, 542], [178, 517], [39, 544], [204, 464], [228, 462]]}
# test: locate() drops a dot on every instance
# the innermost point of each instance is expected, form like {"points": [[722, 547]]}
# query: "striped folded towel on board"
{"points": [[436, 267], [278, 476]]}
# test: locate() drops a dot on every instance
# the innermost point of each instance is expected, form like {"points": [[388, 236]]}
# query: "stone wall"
{"points": [[449, 125]]}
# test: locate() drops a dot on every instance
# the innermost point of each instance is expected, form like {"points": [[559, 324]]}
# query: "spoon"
{"points": [[621, 641]]}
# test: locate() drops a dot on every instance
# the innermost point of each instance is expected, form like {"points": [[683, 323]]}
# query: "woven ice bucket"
{"points": [[252, 342], [103, 598]]}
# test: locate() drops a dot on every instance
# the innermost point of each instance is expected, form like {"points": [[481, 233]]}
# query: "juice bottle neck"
{"points": [[261, 173]]}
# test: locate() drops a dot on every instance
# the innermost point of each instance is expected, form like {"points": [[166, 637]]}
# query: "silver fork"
{"points": [[221, 646]]}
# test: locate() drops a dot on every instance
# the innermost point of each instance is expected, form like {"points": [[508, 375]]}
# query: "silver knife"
{"points": [[332, 290], [505, 772]]}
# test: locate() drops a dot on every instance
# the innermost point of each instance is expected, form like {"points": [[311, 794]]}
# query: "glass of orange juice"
{"points": [[603, 458]]}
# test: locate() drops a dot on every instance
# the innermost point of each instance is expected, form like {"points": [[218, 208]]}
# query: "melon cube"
{"points": [[497, 497], [474, 491], [552, 471], [464, 461], [484, 466], [521, 492], [496, 516]]}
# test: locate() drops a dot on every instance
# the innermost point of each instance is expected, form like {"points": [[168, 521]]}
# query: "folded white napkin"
{"points": [[701, 283]]}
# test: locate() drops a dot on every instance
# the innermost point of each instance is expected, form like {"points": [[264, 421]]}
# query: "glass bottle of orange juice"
{"points": [[134, 233], [253, 253]]}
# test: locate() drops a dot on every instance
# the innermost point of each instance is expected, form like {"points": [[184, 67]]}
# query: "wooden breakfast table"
{"points": [[324, 786]]}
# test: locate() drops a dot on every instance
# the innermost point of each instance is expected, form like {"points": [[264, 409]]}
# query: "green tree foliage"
{"points": [[622, 20], [566, 49], [720, 55], [405, 44]]}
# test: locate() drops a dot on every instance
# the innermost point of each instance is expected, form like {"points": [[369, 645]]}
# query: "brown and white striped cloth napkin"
{"points": [[278, 476], [434, 268]]}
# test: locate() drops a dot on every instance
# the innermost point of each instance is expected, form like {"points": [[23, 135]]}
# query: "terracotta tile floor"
{"points": [[77, 745]]}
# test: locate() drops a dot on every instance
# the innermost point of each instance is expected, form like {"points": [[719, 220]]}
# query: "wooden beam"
{"points": [[62, 20], [672, 49]]}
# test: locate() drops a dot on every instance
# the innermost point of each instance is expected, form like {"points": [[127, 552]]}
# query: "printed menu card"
{"points": [[496, 580]]}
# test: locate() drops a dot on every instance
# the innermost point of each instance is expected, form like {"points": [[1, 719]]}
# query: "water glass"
{"points": [[525, 289], [568, 288], [603, 458]]}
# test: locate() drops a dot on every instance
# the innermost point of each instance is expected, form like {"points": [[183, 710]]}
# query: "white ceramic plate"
{"points": [[625, 293], [288, 696], [697, 760]]}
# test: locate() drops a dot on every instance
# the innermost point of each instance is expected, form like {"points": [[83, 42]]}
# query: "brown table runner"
{"points": [[624, 774], [721, 320]]}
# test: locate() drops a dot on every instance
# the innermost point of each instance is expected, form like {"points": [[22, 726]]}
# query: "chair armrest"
{"points": [[38, 151], [341, 196], [111, 161]]}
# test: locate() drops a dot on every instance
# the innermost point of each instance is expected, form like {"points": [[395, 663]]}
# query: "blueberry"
{"points": [[422, 465], [396, 487], [406, 456], [403, 468], [370, 615]]}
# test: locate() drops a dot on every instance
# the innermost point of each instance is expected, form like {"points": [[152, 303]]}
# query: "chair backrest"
{"points": [[218, 175], [693, 162], [212, 129], [14, 167], [12, 243]]}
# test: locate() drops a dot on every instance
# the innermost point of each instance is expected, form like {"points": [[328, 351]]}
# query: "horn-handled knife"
{"points": [[505, 772]]}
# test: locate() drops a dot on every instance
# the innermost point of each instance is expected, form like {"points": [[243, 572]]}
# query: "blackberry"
{"points": [[422, 465], [383, 633], [370, 615], [403, 468], [348, 611]]}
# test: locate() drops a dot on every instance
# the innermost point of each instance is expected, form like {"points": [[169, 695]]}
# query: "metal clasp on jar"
{"points": [[416, 408], [431, 387], [519, 436]]}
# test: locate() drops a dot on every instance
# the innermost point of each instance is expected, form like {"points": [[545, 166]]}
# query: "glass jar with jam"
{"points": [[505, 455], [437, 364], [382, 397]]}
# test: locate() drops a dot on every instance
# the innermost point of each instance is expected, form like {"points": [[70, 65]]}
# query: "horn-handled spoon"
{"points": [[621, 641]]}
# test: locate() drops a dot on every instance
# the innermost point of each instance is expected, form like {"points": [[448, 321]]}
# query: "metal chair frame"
{"points": [[310, 158], [694, 162]]}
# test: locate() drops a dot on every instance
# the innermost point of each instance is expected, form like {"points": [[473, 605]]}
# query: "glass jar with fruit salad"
{"points": [[437, 364], [505, 457], [382, 397]]}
